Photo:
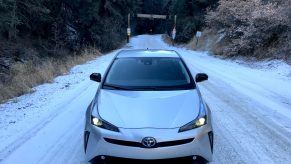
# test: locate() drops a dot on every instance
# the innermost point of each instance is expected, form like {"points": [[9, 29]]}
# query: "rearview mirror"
{"points": [[201, 77], [95, 77]]}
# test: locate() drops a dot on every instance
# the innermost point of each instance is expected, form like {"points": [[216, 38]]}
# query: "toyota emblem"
{"points": [[149, 142]]}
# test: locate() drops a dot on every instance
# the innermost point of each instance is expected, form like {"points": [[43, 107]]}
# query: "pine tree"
{"points": [[8, 18]]}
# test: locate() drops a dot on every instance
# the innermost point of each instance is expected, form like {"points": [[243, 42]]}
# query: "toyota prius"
{"points": [[148, 107]]}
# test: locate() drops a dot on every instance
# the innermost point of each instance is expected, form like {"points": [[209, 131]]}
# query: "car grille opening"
{"points": [[110, 159], [139, 144]]}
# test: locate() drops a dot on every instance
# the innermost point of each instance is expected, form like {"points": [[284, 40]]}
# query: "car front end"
{"points": [[148, 123]]}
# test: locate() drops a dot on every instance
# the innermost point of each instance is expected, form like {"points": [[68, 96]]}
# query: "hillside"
{"points": [[254, 29]]}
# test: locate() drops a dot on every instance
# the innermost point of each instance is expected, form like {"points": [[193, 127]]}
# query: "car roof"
{"points": [[147, 53]]}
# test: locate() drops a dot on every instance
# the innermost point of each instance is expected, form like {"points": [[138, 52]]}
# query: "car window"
{"points": [[149, 73]]}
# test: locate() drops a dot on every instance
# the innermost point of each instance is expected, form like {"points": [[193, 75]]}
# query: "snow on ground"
{"points": [[250, 104], [23, 119]]}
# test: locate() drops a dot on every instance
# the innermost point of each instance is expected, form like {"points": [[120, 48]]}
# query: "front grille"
{"points": [[124, 143], [139, 144], [109, 159], [174, 143]]}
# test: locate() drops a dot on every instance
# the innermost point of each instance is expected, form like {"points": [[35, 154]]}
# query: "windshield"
{"points": [[148, 73]]}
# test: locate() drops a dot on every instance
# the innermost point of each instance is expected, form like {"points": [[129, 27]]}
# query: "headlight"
{"points": [[199, 121], [103, 124], [97, 121]]}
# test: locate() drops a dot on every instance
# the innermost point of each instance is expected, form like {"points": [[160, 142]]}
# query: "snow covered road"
{"points": [[251, 111]]}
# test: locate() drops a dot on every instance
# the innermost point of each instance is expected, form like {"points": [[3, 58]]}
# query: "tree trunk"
{"points": [[12, 26]]}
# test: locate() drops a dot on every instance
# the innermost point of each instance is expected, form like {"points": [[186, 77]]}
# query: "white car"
{"points": [[148, 107]]}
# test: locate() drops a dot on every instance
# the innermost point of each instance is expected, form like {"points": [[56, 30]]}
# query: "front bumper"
{"points": [[97, 144]]}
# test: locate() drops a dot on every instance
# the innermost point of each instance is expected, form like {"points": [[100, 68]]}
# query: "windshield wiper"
{"points": [[116, 87]]}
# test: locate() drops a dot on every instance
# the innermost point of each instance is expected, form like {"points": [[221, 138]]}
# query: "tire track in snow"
{"points": [[233, 120], [64, 149], [242, 133], [33, 130], [38, 140]]}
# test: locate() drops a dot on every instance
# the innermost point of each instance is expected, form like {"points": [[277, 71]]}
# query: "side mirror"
{"points": [[95, 77], [201, 77]]}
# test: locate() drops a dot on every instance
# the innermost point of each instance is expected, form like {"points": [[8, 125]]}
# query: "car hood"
{"points": [[148, 109]]}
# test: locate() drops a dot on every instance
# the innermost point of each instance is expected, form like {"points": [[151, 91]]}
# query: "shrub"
{"points": [[253, 27], [25, 75]]}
